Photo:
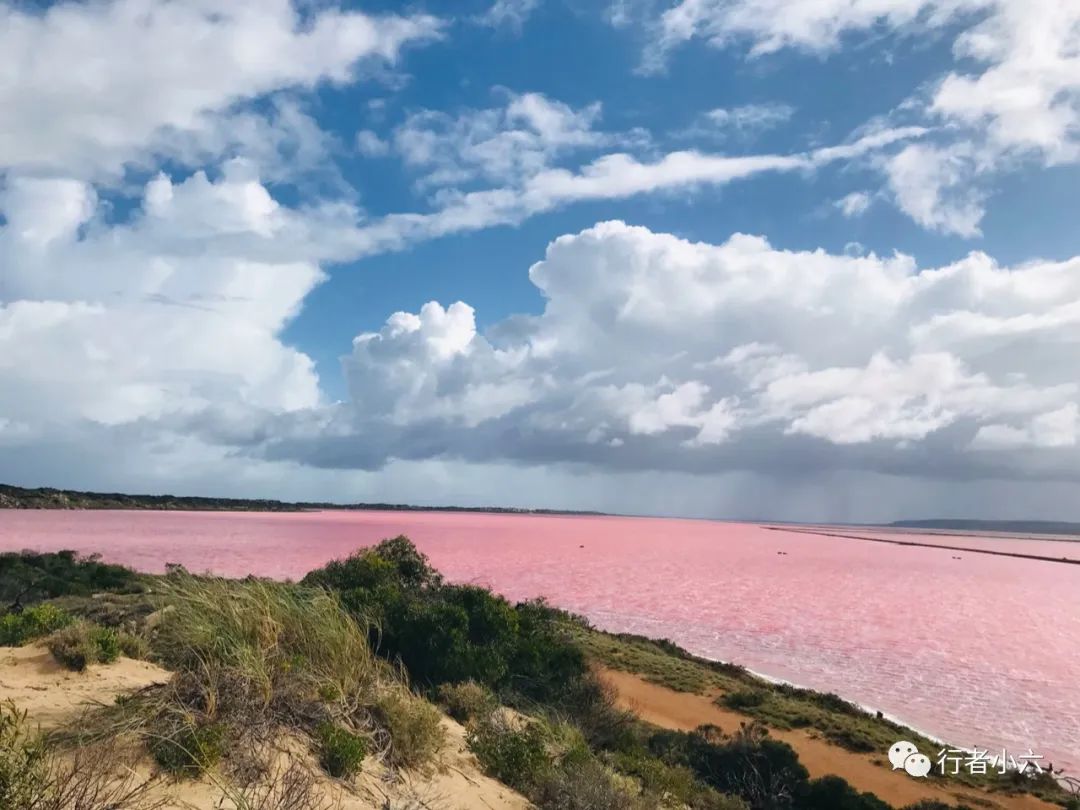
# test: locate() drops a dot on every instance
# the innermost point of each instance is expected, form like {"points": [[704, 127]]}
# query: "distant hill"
{"points": [[48, 498], [1007, 526]]}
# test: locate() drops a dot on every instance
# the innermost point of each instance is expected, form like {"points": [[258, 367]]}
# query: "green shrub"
{"points": [[467, 701], [584, 785], [517, 757], [766, 773], [672, 785], [106, 644], [23, 763], [32, 623], [188, 748], [81, 644], [739, 699], [28, 577], [833, 793], [340, 751], [453, 633], [414, 726]]}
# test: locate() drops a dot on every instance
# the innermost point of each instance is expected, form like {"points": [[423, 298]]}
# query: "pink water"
{"points": [[979, 651]]}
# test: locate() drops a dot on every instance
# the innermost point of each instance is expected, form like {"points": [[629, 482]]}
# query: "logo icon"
{"points": [[903, 755]]}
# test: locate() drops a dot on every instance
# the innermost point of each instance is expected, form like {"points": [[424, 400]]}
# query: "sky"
{"points": [[752, 259]]}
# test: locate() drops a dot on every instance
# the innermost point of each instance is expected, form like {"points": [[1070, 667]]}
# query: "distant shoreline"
{"points": [[13, 497]]}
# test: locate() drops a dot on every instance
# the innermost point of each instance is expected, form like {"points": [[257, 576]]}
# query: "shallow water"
{"points": [[982, 651]]}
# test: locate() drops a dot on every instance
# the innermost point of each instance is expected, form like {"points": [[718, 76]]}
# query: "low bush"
{"points": [[667, 785], [833, 793], [514, 753], [18, 628], [453, 633], [739, 699], [341, 752], [466, 701], [764, 772], [584, 785], [81, 644], [188, 748], [414, 727]]}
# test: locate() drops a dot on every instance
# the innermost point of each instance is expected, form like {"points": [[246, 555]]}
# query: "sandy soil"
{"points": [[54, 697], [684, 712]]}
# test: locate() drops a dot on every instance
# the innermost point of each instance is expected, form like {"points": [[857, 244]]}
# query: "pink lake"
{"points": [[982, 651]]}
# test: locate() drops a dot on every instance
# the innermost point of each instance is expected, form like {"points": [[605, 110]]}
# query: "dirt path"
{"points": [[683, 711]]}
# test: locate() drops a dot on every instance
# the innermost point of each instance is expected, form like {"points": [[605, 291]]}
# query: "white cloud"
{"points": [[855, 204], [657, 353], [113, 325], [89, 88], [1013, 96], [506, 143], [1028, 94], [370, 144], [935, 187], [613, 176], [508, 13], [813, 25], [751, 117]]}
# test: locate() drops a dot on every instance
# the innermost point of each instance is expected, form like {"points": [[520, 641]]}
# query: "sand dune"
{"points": [[54, 697]]}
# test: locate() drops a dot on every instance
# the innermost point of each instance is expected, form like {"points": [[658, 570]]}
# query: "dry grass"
{"points": [[35, 776], [253, 659]]}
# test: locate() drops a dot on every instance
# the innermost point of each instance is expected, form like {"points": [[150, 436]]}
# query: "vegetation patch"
{"points": [[81, 644], [341, 752], [466, 701], [17, 628], [33, 776], [27, 577]]}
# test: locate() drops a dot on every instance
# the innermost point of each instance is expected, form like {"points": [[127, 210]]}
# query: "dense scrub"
{"points": [[455, 633], [17, 628], [26, 578]]}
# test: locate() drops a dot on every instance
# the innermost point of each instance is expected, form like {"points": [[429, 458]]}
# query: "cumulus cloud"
{"points": [[653, 352], [175, 313], [90, 88]]}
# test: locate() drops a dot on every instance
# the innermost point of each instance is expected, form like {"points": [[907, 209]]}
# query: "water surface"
{"points": [[980, 650]]}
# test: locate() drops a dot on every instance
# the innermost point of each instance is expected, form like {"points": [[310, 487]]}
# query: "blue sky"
{"points": [[211, 214]]}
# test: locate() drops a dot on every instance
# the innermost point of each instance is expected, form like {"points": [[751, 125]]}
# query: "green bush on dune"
{"points": [[466, 701], [32, 623], [341, 752], [447, 634], [254, 657]]}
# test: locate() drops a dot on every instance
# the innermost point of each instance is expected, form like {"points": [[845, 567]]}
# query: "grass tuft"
{"points": [[467, 700]]}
